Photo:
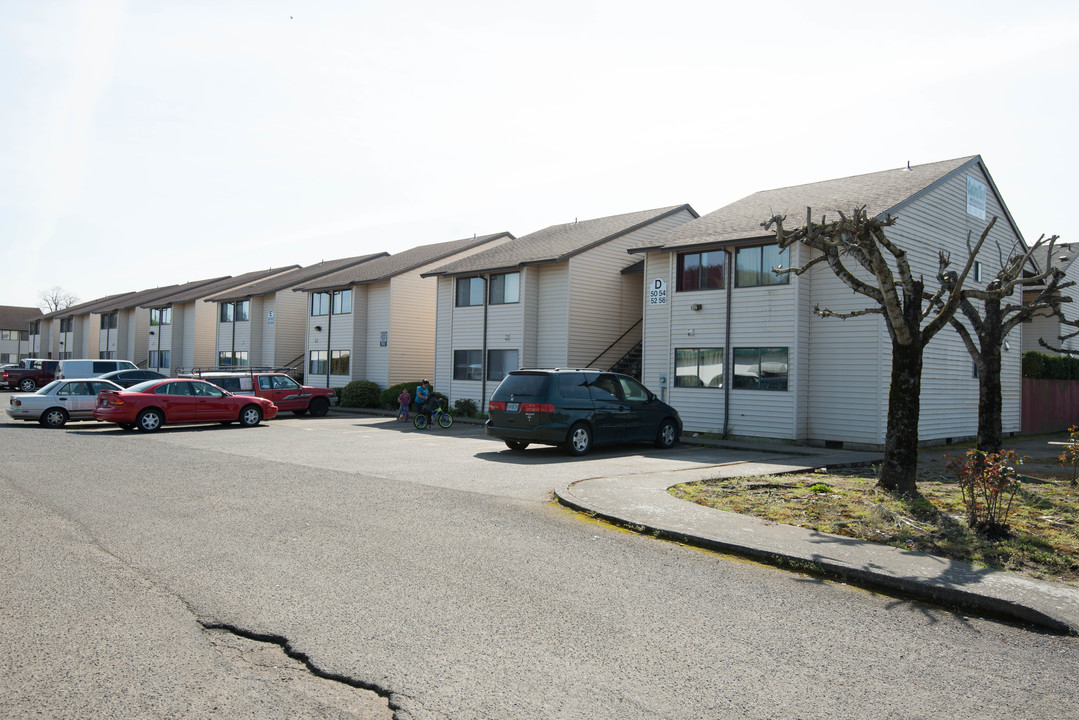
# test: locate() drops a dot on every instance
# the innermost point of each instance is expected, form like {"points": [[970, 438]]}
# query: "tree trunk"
{"points": [[990, 401], [900, 470]]}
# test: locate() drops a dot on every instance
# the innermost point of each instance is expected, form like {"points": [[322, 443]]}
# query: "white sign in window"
{"points": [[657, 293], [976, 192]]}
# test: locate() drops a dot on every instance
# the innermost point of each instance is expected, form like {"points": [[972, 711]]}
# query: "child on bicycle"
{"points": [[403, 400], [425, 399]]}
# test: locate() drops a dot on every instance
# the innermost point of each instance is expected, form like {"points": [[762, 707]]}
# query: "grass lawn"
{"points": [[1043, 522]]}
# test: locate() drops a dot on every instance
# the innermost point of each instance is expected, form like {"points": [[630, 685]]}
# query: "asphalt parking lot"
{"points": [[431, 567]]}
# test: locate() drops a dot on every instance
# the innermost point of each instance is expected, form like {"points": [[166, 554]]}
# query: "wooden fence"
{"points": [[1049, 405]]}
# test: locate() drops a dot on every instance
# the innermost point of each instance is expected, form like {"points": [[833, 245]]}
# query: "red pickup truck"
{"points": [[31, 374], [278, 387]]}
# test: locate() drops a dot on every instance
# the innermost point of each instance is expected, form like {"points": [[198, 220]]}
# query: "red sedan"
{"points": [[151, 404]]}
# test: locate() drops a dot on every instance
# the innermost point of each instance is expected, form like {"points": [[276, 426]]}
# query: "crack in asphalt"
{"points": [[263, 652]]}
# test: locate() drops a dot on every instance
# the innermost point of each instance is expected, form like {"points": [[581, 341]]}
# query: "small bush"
{"points": [[820, 488], [360, 394], [989, 483], [465, 408], [1070, 457]]}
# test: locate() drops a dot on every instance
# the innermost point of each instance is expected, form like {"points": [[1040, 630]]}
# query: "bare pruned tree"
{"points": [[56, 298], [998, 317], [912, 315]]}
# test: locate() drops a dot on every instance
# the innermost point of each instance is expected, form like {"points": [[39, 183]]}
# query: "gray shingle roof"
{"points": [[880, 193], [402, 262], [145, 298], [13, 317], [190, 291], [293, 278], [556, 243], [87, 307]]}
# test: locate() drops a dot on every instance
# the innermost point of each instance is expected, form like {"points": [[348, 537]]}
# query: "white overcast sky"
{"points": [[153, 142]]}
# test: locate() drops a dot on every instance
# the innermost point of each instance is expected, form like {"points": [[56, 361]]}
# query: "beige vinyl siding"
{"points": [[466, 334], [599, 313], [316, 340], [530, 298], [442, 374], [138, 346], [412, 328], [378, 321], [183, 353], [659, 341], [1043, 326], [939, 220], [849, 367], [552, 334], [205, 352], [252, 330], [284, 342], [267, 334]]}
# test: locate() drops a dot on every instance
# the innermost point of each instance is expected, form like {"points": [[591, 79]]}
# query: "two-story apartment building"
{"points": [[262, 324], [376, 321], [558, 297], [739, 350], [16, 324]]}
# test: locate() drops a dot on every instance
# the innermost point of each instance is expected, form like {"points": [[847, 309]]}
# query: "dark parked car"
{"points": [[127, 378], [577, 409]]}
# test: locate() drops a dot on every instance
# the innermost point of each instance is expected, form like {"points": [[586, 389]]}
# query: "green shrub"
{"points": [[360, 394], [1040, 366], [464, 407]]}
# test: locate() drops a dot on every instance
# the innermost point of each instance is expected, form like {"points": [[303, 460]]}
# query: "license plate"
{"points": [[513, 407]]}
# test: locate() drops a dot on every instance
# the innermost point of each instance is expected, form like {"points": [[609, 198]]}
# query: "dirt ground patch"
{"points": [[1043, 521]]}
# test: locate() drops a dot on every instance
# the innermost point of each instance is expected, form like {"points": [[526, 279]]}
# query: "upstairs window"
{"points": [[469, 291], [108, 321], [160, 316], [753, 266], [505, 288], [342, 304], [700, 271], [320, 304]]}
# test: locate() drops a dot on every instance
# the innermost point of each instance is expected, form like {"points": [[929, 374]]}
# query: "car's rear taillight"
{"points": [[496, 405], [16, 402], [537, 408]]}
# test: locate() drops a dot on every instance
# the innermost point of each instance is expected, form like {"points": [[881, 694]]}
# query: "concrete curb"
{"points": [[642, 503]]}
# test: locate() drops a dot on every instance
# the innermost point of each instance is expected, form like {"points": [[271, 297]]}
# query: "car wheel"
{"points": [[667, 435], [579, 440], [54, 418], [150, 420], [319, 407], [250, 416], [516, 445], [27, 385]]}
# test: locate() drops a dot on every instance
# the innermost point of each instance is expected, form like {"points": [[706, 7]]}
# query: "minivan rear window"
{"points": [[573, 386], [527, 385]]}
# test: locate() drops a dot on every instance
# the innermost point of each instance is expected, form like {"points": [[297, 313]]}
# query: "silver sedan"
{"points": [[59, 401]]}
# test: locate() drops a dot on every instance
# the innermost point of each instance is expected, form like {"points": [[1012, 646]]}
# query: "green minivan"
{"points": [[577, 409]]}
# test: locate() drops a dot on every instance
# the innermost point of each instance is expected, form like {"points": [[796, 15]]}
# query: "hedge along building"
{"points": [[717, 312], [262, 324], [376, 321], [558, 297]]}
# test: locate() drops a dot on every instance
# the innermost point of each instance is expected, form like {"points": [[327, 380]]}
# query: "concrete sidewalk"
{"points": [[643, 500]]}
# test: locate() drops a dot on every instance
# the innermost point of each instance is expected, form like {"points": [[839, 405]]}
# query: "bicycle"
{"points": [[444, 418]]}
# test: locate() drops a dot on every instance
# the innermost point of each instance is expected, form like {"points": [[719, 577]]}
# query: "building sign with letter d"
{"points": [[657, 293]]}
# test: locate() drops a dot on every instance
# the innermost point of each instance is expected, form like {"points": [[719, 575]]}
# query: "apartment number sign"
{"points": [[657, 293]]}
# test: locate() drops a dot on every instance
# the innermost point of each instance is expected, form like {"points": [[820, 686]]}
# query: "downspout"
{"points": [[483, 351], [232, 351], [727, 359], [329, 334]]}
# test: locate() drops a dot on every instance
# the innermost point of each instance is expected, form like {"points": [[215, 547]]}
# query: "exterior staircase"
{"points": [[630, 363]]}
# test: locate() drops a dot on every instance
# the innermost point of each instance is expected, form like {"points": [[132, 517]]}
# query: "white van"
{"points": [[85, 368]]}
